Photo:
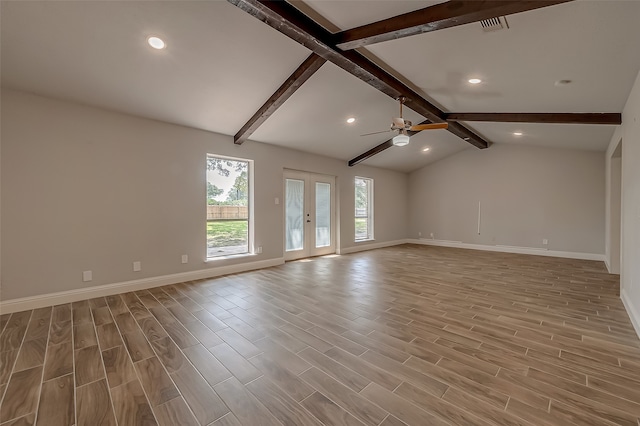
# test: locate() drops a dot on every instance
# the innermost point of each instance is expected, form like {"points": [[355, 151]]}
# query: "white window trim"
{"points": [[229, 256], [250, 237], [370, 210]]}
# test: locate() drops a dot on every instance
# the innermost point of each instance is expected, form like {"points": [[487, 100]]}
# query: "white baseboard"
{"points": [[633, 314], [370, 246], [510, 249], [41, 301]]}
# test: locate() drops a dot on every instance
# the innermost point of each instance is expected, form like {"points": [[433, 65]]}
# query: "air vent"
{"points": [[494, 24]]}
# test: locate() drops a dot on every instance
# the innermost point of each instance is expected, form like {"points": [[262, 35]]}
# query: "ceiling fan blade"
{"points": [[430, 126], [375, 133]]}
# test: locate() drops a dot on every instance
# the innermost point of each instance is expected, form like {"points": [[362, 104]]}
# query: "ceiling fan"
{"points": [[404, 126]]}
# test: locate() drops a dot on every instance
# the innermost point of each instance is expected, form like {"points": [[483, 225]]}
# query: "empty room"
{"points": [[313, 212]]}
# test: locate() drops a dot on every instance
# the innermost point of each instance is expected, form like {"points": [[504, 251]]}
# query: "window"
{"points": [[228, 209], [364, 209]]}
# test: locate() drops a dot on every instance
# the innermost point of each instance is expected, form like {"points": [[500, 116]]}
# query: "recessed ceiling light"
{"points": [[475, 81], [517, 133], [156, 42], [425, 149], [350, 120]]}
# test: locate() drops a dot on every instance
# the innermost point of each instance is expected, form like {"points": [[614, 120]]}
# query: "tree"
{"points": [[362, 194], [222, 166], [239, 192], [212, 192]]}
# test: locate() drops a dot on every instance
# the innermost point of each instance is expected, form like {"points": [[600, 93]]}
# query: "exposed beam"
{"points": [[433, 18], [373, 151], [538, 117], [288, 88], [285, 18]]}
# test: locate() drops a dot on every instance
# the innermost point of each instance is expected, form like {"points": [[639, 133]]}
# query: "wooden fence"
{"points": [[227, 212]]}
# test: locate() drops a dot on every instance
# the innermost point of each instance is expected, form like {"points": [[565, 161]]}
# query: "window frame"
{"points": [[369, 209], [250, 209]]}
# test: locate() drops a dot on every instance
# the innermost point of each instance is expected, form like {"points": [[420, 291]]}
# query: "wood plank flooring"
{"points": [[407, 335]]}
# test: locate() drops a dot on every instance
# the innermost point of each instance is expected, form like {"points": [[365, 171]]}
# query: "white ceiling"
{"points": [[221, 64]]}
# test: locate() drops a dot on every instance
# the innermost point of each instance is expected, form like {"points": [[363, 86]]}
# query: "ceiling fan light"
{"points": [[400, 139]]}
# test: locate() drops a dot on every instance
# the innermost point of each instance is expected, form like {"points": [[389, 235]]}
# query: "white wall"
{"points": [[630, 270], [526, 194], [89, 189]]}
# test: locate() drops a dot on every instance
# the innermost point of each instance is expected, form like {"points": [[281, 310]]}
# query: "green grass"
{"points": [[226, 233], [361, 226]]}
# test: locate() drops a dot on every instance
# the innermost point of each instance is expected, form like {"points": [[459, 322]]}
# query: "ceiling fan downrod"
{"points": [[402, 100]]}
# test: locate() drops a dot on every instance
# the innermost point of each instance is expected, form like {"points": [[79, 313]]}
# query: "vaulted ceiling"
{"points": [[222, 64]]}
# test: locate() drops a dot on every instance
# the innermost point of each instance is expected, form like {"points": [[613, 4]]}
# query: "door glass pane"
{"points": [[323, 214], [294, 211]]}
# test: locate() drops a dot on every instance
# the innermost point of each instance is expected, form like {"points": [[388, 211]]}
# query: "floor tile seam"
{"points": [[15, 362], [44, 363], [126, 350], [185, 357]]}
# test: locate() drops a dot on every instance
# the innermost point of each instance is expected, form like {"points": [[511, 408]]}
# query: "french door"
{"points": [[309, 215]]}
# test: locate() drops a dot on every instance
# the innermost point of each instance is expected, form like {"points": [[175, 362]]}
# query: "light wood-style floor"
{"points": [[409, 335]]}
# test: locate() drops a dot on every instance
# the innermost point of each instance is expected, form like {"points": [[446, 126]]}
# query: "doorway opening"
{"points": [[615, 211]]}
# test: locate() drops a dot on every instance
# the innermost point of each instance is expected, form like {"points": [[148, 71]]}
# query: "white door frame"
{"points": [[309, 210]]}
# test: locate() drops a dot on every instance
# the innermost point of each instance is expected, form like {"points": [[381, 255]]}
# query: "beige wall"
{"points": [[526, 194], [630, 223], [81, 188]]}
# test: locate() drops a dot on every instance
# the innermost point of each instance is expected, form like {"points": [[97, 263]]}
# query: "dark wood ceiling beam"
{"points": [[285, 18], [501, 117], [538, 117], [284, 92], [288, 20], [433, 18], [373, 151]]}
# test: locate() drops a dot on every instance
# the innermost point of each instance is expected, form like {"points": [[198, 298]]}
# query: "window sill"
{"points": [[364, 241], [230, 256]]}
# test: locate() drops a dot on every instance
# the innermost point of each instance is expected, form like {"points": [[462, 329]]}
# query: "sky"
{"points": [[222, 182]]}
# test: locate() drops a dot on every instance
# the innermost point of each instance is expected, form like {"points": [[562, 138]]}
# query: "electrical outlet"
{"points": [[87, 276], [545, 241], [419, 234], [259, 250], [137, 266], [431, 235], [277, 200], [185, 258]]}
